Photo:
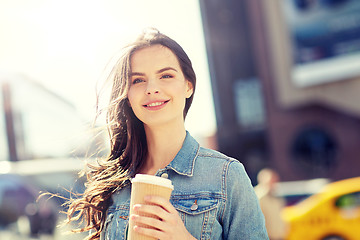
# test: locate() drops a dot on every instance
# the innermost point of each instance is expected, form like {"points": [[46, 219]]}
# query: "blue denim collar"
{"points": [[184, 160]]}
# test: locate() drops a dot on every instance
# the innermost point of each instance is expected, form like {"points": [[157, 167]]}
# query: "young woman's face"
{"points": [[158, 88]]}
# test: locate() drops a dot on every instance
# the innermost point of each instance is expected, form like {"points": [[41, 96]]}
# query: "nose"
{"points": [[152, 87]]}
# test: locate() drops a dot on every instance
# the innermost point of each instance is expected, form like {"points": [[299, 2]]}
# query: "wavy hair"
{"points": [[128, 145]]}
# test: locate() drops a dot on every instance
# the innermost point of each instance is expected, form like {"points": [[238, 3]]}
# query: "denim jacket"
{"points": [[212, 194]]}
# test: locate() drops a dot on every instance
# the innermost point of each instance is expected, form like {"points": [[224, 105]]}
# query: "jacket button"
{"points": [[194, 207], [164, 175]]}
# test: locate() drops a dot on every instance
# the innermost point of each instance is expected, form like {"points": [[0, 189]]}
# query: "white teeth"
{"points": [[155, 104]]}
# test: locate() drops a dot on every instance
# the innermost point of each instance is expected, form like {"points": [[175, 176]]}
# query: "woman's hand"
{"points": [[166, 226]]}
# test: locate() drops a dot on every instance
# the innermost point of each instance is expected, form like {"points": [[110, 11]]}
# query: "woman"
{"points": [[153, 87]]}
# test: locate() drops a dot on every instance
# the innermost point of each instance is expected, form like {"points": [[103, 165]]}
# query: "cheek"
{"points": [[131, 97], [133, 103]]}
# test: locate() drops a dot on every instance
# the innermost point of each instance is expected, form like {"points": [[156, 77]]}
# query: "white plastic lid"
{"points": [[146, 178]]}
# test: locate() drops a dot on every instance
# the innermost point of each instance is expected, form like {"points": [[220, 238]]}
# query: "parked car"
{"points": [[331, 214], [296, 191], [18, 199], [44, 143]]}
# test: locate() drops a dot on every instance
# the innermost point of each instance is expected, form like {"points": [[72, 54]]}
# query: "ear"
{"points": [[189, 89]]}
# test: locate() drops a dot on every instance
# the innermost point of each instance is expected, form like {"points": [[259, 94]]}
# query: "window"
{"points": [[314, 150], [351, 200], [249, 104], [325, 40]]}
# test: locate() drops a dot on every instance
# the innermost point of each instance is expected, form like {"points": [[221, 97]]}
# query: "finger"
{"points": [[149, 232], [155, 210], [148, 221], [160, 201]]}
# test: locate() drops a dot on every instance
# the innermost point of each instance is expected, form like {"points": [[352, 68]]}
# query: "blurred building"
{"points": [[286, 78], [36, 123]]}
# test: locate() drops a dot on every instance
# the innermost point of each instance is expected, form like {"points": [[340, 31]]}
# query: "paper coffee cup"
{"points": [[144, 185]]}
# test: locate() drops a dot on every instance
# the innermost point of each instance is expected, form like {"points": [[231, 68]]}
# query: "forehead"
{"points": [[156, 56]]}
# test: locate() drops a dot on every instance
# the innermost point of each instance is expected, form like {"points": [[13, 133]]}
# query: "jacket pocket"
{"points": [[199, 212], [117, 222]]}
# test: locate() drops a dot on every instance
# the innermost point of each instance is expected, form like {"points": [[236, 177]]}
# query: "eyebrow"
{"points": [[166, 69], [159, 71]]}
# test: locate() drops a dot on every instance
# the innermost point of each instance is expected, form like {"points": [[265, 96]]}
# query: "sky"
{"points": [[66, 45]]}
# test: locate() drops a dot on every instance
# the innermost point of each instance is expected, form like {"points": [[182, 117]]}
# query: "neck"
{"points": [[163, 145]]}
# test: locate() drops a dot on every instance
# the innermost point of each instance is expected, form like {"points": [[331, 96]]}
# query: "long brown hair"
{"points": [[128, 145]]}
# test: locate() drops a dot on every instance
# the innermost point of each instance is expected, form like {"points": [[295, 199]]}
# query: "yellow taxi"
{"points": [[331, 214]]}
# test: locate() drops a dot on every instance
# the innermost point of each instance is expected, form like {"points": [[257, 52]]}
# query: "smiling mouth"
{"points": [[156, 104]]}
